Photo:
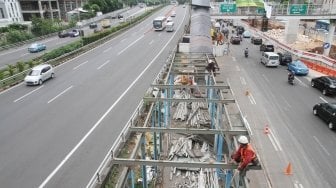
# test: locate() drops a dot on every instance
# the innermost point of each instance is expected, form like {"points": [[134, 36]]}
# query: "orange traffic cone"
{"points": [[288, 170], [266, 129]]}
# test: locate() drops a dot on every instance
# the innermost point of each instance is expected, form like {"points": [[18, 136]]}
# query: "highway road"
{"points": [[21, 54], [296, 135], [57, 134]]}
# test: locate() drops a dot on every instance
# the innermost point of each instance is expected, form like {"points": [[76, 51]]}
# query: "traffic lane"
{"points": [[62, 178], [272, 77]]}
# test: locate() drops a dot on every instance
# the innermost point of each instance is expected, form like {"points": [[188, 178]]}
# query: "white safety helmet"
{"points": [[243, 140]]}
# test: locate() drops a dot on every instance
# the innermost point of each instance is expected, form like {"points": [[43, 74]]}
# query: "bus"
{"points": [[159, 23]]}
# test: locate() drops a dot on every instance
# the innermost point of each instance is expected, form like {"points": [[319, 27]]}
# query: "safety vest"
{"points": [[248, 148]]}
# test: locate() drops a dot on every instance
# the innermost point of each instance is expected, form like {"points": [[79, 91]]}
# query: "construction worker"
{"points": [[211, 67], [244, 155]]}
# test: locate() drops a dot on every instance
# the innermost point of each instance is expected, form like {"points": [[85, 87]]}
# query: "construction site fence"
{"points": [[314, 61]]}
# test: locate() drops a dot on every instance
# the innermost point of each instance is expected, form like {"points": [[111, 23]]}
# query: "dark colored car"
{"points": [[63, 34], [327, 112], [267, 47], [327, 84], [93, 25], [285, 58], [256, 40], [235, 40], [240, 30], [120, 16]]}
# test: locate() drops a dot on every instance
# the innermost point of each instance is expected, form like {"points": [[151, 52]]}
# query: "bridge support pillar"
{"points": [[329, 38], [291, 31]]}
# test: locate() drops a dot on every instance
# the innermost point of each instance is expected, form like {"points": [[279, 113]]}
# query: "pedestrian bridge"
{"points": [[252, 9]]}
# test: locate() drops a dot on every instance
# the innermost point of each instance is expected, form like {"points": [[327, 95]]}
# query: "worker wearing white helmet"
{"points": [[245, 154]]}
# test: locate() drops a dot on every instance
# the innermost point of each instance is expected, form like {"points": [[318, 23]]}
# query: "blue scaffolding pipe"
{"points": [[132, 178], [154, 137], [171, 82], [143, 156], [165, 107], [228, 178], [159, 125]]}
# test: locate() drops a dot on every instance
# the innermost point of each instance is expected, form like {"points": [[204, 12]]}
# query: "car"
{"points": [[235, 40], [240, 30], [327, 112], [184, 6], [267, 47], [298, 68], [327, 84], [63, 34], [173, 14], [247, 34], [285, 58], [256, 40], [74, 33], [169, 19], [93, 25], [38, 74], [36, 47], [120, 16]]}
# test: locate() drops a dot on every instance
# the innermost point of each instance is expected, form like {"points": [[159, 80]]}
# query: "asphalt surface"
{"points": [[57, 134], [296, 135], [21, 54]]}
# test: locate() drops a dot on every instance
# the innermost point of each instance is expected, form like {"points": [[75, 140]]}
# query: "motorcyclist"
{"points": [[246, 51], [291, 76]]}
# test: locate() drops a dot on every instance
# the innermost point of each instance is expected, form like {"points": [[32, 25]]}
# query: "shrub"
{"points": [[20, 66], [11, 69]]}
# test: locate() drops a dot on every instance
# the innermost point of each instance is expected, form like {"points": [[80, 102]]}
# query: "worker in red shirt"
{"points": [[244, 155]]}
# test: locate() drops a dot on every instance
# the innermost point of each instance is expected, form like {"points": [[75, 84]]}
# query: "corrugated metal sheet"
{"points": [[201, 3], [200, 41]]}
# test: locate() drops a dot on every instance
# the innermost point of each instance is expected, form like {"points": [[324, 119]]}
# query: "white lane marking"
{"points": [[122, 40], [79, 65], [151, 42], [130, 45], [237, 68], [323, 99], [251, 99], [28, 94], [274, 141], [324, 149], [287, 103], [228, 82], [298, 185], [24, 54], [103, 64], [234, 59], [265, 78], [51, 100], [104, 115], [300, 82], [108, 49], [242, 80]]}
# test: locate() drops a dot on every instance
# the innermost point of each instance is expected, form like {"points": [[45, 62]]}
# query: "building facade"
{"points": [[40, 8], [10, 12]]}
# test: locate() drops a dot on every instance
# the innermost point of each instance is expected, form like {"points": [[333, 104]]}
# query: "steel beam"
{"points": [[224, 101], [166, 163], [163, 86], [188, 130]]}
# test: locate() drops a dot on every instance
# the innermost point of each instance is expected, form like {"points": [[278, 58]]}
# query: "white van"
{"points": [[170, 27], [270, 59]]}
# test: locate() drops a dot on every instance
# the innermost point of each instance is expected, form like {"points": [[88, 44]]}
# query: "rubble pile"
{"points": [[199, 115], [181, 112], [186, 149]]}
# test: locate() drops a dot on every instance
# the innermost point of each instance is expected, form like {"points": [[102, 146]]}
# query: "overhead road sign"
{"points": [[225, 8], [298, 9]]}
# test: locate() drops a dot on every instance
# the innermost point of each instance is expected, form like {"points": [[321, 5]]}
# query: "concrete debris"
{"points": [[199, 115]]}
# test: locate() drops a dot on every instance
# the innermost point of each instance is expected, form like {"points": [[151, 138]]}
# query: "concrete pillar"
{"points": [[51, 10], [329, 38], [40, 8], [291, 31]]}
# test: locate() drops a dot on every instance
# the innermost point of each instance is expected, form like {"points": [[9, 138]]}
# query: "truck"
{"points": [[105, 23]]}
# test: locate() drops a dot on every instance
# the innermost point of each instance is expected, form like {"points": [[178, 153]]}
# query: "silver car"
{"points": [[38, 74]]}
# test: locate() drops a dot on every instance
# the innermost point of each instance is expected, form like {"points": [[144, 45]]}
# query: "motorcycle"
{"points": [[246, 54], [291, 80]]}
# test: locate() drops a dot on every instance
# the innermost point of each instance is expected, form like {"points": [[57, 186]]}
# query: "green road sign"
{"points": [[228, 8], [298, 9]]}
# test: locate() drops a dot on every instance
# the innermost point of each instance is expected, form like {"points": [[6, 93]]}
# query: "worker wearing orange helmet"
{"points": [[245, 154]]}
